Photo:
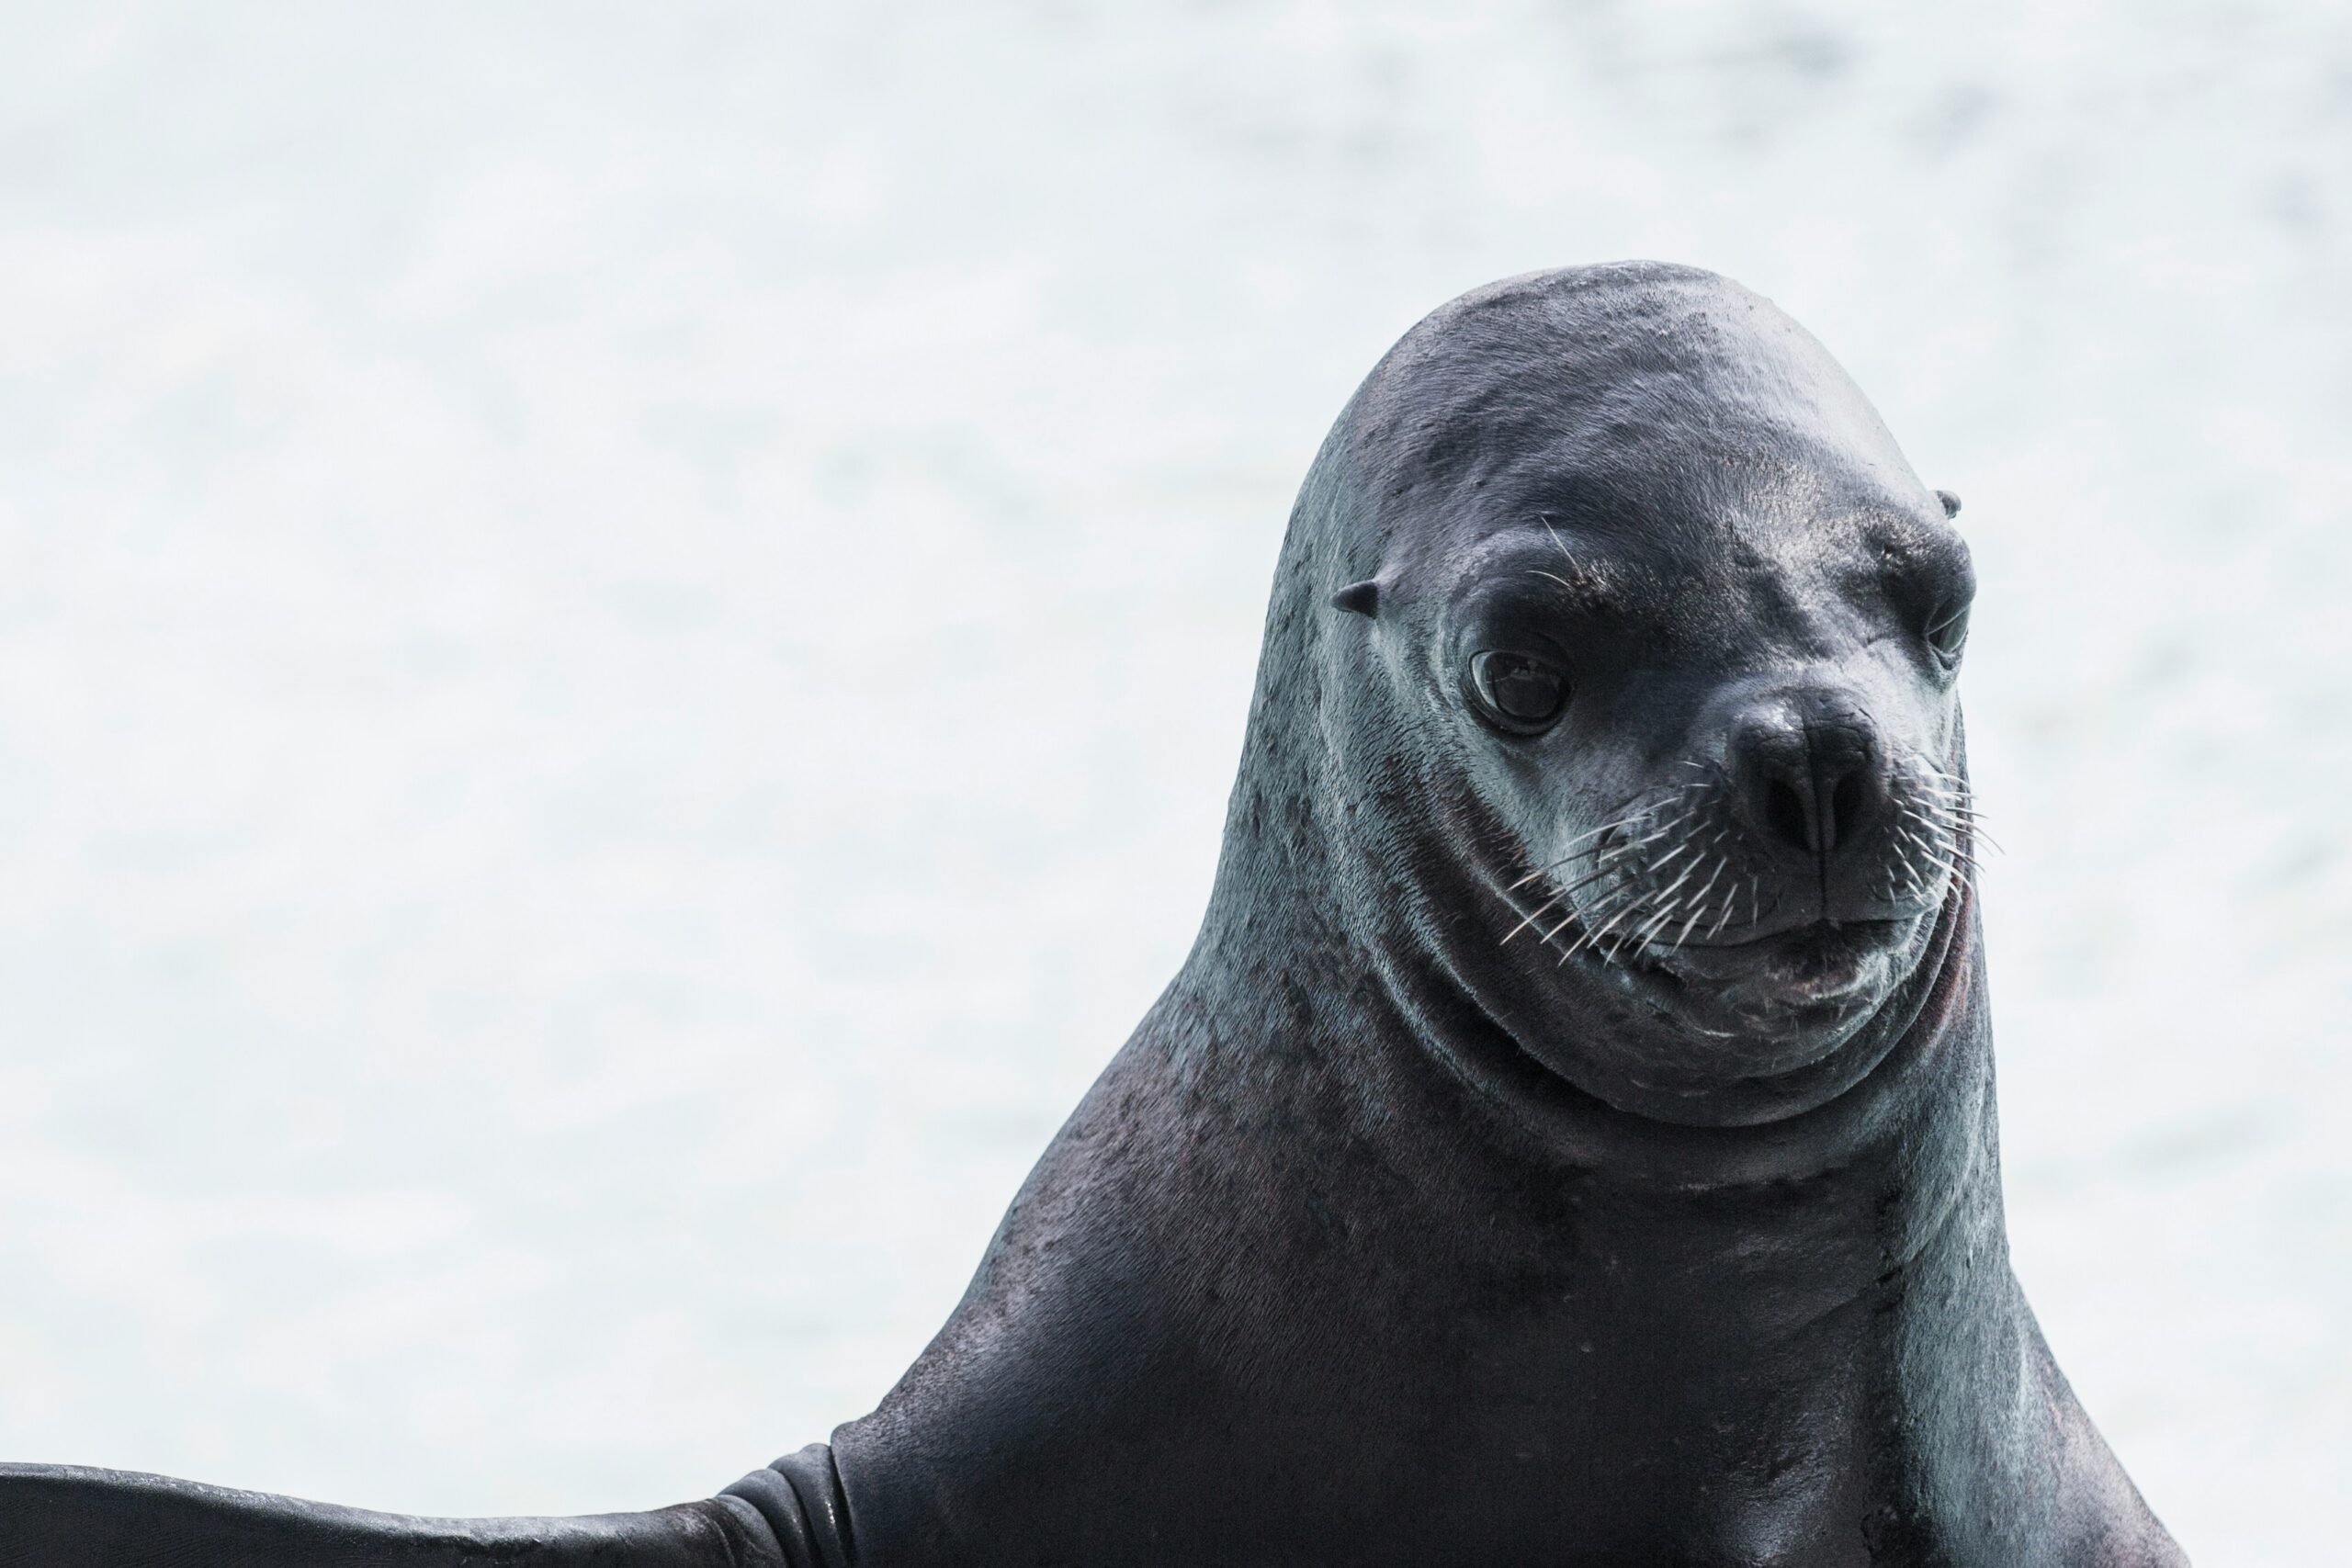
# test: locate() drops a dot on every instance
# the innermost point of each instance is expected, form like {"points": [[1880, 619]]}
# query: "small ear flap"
{"points": [[1952, 503], [1359, 598]]}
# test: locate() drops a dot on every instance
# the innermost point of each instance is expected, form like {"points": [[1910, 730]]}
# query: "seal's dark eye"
{"points": [[1520, 691], [1948, 632]]}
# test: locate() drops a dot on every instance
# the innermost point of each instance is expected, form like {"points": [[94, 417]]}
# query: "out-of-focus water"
{"points": [[623, 631]]}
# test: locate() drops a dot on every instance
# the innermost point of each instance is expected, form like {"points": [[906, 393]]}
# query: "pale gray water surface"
{"points": [[623, 630]]}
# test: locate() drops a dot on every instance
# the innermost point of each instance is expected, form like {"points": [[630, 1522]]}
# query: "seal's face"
{"points": [[1665, 636], [1718, 725]]}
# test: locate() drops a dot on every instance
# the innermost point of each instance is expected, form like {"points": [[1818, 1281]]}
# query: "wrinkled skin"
{"points": [[1571, 1139]]}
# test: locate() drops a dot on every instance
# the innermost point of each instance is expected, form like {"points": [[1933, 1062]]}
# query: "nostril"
{"points": [[1845, 808], [1804, 762], [1785, 815]]}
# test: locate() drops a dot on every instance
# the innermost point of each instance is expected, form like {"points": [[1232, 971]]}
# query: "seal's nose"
{"points": [[1807, 769]]}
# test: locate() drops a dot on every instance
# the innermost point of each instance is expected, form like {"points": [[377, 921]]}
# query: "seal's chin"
{"points": [[1789, 997]]}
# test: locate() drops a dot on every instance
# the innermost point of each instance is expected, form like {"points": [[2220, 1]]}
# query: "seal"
{"points": [[1571, 1139]]}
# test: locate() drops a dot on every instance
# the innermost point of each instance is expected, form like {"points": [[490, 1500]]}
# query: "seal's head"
{"points": [[1642, 646]]}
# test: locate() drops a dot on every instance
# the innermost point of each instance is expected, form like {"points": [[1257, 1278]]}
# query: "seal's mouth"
{"points": [[1815, 979], [1813, 963], [1687, 912]]}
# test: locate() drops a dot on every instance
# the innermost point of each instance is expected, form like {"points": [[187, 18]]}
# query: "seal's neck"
{"points": [[1817, 1310], [1802, 1303]]}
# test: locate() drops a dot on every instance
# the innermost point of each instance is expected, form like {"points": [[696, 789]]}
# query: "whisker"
{"points": [[1561, 894], [1976, 830], [1595, 933], [1658, 866], [1628, 818], [1562, 544], [1731, 902], [1699, 901], [1530, 920], [1636, 910], [1652, 928], [1688, 871]]}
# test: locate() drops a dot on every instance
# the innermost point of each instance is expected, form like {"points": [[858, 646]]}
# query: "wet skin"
{"points": [[1571, 1138]]}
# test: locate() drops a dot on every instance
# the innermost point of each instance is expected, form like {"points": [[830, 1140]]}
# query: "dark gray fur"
{"points": [[1385, 1240]]}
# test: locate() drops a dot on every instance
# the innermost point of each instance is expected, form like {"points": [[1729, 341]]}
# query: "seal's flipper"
{"points": [[67, 1517], [799, 1500]]}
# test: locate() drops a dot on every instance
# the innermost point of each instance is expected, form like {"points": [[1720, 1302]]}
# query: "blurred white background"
{"points": [[623, 631]]}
